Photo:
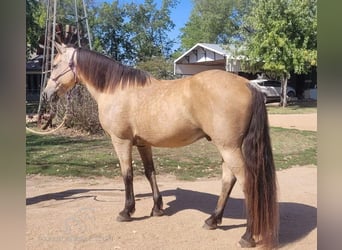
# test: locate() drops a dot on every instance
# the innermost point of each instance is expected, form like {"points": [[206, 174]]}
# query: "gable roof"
{"points": [[220, 50], [205, 56], [216, 48]]}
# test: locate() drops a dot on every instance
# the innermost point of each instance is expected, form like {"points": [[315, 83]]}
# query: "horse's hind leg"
{"points": [[232, 170], [228, 181], [146, 156], [236, 164]]}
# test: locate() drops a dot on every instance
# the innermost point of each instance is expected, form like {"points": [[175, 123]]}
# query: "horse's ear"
{"points": [[60, 47]]}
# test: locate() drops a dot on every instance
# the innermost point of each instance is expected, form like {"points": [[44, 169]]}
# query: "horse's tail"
{"points": [[260, 175]]}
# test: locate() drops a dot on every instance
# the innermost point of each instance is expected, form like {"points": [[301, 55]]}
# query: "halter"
{"points": [[71, 67]]}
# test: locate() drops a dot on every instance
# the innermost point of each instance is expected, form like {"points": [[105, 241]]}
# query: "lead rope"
{"points": [[48, 132]]}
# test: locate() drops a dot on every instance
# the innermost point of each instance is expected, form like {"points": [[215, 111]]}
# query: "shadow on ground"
{"points": [[296, 220]]}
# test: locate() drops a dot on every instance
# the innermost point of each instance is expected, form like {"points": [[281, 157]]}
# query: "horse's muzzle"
{"points": [[50, 92]]}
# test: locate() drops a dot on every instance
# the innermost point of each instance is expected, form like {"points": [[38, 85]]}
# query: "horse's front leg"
{"points": [[123, 150], [150, 173]]}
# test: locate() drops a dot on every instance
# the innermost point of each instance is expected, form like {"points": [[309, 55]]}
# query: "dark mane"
{"points": [[105, 74]]}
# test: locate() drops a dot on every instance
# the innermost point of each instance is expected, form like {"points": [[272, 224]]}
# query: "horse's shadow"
{"points": [[66, 195], [296, 220]]}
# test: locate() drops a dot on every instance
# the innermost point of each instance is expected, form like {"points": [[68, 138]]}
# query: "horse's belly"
{"points": [[171, 139]]}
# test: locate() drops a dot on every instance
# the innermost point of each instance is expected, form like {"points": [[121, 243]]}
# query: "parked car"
{"points": [[291, 92], [266, 83], [270, 92]]}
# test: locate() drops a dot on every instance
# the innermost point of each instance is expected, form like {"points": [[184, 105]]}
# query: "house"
{"points": [[205, 56], [33, 78]]}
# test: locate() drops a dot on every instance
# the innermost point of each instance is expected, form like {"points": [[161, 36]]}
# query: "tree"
{"points": [[213, 22], [111, 34], [148, 28], [35, 22], [282, 37], [159, 67]]}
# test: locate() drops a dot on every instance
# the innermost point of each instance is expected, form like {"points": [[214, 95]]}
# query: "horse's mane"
{"points": [[105, 74]]}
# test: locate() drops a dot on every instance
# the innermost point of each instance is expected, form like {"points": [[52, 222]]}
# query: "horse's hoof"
{"points": [[123, 218], [210, 224], [209, 227], [159, 212], [246, 244]]}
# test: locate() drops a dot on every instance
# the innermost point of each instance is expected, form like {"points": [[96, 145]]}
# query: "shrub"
{"points": [[81, 109]]}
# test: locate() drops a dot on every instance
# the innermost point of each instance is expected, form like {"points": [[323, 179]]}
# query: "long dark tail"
{"points": [[260, 176]]}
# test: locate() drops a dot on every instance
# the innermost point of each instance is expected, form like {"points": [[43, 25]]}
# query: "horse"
{"points": [[137, 110]]}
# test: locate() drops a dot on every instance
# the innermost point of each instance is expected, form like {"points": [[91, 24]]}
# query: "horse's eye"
{"points": [[54, 66]]}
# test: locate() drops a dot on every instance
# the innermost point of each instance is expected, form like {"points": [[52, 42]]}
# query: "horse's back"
{"points": [[221, 79]]}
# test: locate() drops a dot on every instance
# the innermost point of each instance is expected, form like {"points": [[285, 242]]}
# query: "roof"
{"points": [[35, 64], [220, 49], [212, 47]]}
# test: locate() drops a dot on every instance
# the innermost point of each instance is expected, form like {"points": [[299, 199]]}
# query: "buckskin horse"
{"points": [[136, 109]]}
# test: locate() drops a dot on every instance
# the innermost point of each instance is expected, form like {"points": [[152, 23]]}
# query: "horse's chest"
{"points": [[115, 120]]}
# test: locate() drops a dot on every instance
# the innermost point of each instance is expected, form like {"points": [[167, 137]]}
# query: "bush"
{"points": [[81, 109]]}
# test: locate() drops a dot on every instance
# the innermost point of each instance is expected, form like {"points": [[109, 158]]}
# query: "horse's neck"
{"points": [[96, 94], [93, 92]]}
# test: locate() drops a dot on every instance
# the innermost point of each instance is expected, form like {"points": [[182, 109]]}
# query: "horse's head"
{"points": [[63, 75]]}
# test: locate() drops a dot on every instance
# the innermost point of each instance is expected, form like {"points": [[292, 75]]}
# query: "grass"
{"points": [[293, 147], [297, 107], [84, 156]]}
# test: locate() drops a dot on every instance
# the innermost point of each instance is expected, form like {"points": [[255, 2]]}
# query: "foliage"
{"points": [[82, 110], [35, 22], [283, 37], [36, 19], [148, 28], [159, 67], [111, 34], [128, 32], [213, 22]]}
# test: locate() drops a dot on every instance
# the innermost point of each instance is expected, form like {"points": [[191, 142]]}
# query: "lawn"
{"points": [[93, 156], [296, 107]]}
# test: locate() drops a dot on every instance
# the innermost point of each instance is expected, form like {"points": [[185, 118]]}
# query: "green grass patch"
{"points": [[85, 156], [69, 156], [308, 107], [293, 147]]}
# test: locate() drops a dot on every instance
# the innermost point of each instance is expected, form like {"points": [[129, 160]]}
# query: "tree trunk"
{"points": [[284, 91]]}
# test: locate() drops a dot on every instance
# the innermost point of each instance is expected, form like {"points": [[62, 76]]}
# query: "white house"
{"points": [[205, 56]]}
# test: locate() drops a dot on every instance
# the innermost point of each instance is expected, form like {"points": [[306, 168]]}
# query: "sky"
{"points": [[179, 15]]}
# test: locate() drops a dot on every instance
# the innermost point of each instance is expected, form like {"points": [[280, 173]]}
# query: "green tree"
{"points": [[282, 37], [159, 67], [35, 24], [148, 28], [213, 22], [36, 19], [111, 34]]}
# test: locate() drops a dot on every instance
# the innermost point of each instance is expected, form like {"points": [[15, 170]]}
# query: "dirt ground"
{"points": [[295, 121], [80, 213]]}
